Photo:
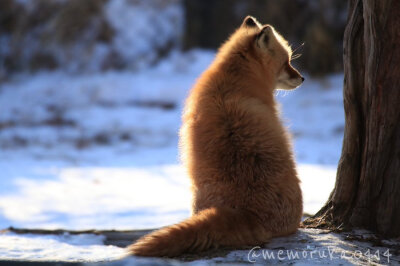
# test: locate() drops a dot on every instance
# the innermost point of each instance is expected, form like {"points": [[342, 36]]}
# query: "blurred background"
{"points": [[91, 93], [100, 35]]}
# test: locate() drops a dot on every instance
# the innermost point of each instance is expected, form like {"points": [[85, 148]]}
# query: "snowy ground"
{"points": [[306, 247], [99, 151]]}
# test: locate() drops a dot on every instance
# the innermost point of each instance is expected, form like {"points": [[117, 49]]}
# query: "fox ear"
{"points": [[250, 22], [264, 37]]}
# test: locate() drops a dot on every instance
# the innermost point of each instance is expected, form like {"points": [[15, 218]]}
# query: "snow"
{"points": [[139, 33], [83, 247], [99, 151], [98, 197], [151, 26], [306, 247], [109, 102], [312, 247], [115, 197]]}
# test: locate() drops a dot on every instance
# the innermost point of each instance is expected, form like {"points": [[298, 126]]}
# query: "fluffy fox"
{"points": [[236, 150]]}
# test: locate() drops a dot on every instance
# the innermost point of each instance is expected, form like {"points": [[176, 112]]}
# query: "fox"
{"points": [[236, 151]]}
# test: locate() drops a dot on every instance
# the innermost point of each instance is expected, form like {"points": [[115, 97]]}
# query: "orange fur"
{"points": [[237, 153]]}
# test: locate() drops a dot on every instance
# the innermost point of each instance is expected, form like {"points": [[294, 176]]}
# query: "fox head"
{"points": [[274, 52], [263, 45]]}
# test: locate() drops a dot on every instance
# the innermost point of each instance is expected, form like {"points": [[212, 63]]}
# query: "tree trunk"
{"points": [[367, 190]]}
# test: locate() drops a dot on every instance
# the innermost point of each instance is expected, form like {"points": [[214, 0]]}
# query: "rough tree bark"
{"points": [[367, 190]]}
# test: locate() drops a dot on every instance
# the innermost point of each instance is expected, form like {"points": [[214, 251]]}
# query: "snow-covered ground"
{"points": [[99, 151], [306, 247], [84, 247]]}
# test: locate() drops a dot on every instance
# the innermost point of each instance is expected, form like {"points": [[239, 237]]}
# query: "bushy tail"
{"points": [[210, 228]]}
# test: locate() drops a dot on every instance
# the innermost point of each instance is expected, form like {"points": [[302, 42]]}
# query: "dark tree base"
{"points": [[367, 189]]}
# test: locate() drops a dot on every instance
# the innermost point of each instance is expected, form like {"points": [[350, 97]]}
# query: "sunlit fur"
{"points": [[236, 152]]}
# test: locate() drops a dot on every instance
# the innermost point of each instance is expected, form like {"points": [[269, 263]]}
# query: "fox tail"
{"points": [[208, 229]]}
